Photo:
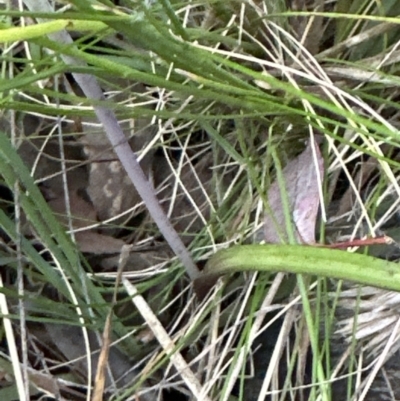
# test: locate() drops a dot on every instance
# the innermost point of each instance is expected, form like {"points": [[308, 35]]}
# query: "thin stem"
{"points": [[107, 118]]}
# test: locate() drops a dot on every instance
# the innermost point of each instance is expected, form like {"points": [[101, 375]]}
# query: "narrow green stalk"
{"points": [[39, 30]]}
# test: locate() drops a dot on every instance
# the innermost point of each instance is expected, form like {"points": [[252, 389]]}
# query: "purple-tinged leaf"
{"points": [[302, 187]]}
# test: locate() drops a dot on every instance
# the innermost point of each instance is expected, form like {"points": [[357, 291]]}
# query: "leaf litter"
{"points": [[303, 178], [300, 193], [86, 202]]}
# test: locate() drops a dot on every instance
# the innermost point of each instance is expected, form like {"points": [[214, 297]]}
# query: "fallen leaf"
{"points": [[98, 244], [70, 342], [301, 182], [84, 214]]}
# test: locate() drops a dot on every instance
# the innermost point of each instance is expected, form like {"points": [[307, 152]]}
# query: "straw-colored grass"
{"points": [[216, 97]]}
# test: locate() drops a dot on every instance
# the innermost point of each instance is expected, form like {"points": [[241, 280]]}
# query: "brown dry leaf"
{"points": [[84, 214], [70, 342], [45, 382], [42, 156], [301, 181], [99, 244]]}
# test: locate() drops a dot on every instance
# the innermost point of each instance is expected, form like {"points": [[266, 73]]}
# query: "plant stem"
{"points": [[92, 90]]}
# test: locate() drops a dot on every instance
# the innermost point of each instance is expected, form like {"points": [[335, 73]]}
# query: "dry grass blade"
{"points": [[211, 97], [166, 342], [93, 91], [100, 379], [12, 347]]}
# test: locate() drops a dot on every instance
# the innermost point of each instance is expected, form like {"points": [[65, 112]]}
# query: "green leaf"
{"points": [[301, 259]]}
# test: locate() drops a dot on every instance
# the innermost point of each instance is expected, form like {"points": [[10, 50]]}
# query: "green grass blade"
{"points": [[53, 235]]}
